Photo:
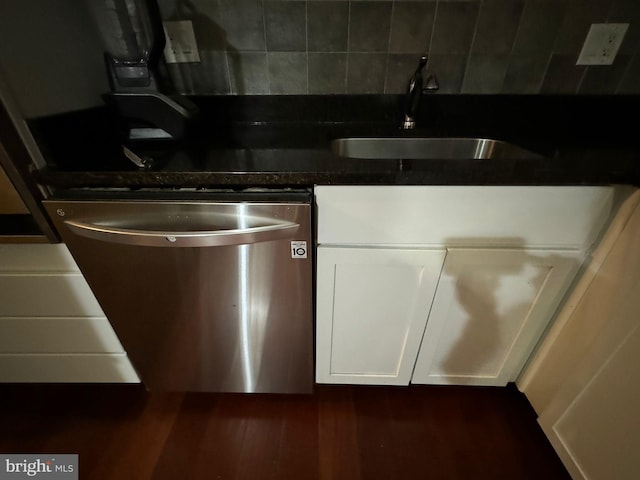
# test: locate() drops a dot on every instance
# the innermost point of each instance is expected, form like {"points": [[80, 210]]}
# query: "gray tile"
{"points": [[177, 77], [578, 17], [485, 73], [285, 25], [243, 23], [287, 73], [210, 76], [205, 17], [248, 73], [454, 26], [181, 10], [539, 27], [369, 26], [630, 84], [497, 26], [525, 74], [563, 76], [604, 80], [167, 9], [366, 72], [400, 68], [627, 11], [327, 73], [450, 71], [484, 31], [327, 26], [411, 26]]}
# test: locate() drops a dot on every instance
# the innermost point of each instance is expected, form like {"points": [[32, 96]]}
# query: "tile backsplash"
{"points": [[359, 47]]}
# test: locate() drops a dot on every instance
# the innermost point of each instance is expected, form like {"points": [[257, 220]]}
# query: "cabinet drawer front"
{"points": [[561, 217], [47, 295], [36, 258], [103, 368], [58, 335]]}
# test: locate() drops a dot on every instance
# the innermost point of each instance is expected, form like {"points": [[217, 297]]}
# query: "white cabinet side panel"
{"points": [[593, 322], [598, 433]]}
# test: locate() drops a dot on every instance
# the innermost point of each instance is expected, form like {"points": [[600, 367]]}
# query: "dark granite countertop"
{"points": [[240, 142]]}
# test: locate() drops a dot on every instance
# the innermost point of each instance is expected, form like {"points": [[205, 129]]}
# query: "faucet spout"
{"points": [[414, 92]]}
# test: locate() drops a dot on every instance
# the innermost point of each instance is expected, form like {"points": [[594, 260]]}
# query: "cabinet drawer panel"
{"points": [[36, 258], [47, 295], [58, 335], [562, 217], [102, 368]]}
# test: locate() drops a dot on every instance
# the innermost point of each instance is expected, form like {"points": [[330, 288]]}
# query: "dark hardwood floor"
{"points": [[340, 432]]}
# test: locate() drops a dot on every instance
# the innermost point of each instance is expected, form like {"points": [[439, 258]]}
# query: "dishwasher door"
{"points": [[204, 296]]}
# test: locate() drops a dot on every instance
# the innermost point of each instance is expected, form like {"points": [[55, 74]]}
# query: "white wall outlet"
{"points": [[602, 43], [180, 46]]}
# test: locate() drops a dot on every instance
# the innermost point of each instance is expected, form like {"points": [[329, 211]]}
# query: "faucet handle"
{"points": [[431, 83]]}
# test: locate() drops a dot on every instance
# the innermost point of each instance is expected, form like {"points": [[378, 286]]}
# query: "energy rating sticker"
{"points": [[298, 249]]}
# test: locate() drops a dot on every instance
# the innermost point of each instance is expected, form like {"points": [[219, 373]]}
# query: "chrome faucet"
{"points": [[417, 85]]}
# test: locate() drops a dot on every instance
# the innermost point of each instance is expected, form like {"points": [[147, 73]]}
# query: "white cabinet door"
{"points": [[597, 432], [490, 308], [584, 381], [372, 307]]}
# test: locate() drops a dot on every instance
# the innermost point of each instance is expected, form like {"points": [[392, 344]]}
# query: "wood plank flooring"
{"points": [[339, 432]]}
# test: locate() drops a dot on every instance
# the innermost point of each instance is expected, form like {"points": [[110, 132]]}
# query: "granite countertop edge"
{"points": [[284, 151]]}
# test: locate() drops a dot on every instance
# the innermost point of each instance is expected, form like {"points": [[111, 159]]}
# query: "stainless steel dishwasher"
{"points": [[204, 295]]}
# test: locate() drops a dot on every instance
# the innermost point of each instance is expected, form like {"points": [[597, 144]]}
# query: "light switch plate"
{"points": [[602, 43], [180, 46]]}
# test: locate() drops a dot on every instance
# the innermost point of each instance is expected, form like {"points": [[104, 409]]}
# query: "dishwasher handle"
{"points": [[212, 238]]}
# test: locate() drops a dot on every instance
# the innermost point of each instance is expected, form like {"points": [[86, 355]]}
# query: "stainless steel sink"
{"points": [[427, 148]]}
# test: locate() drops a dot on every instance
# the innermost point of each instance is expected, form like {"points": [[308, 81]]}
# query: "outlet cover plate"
{"points": [[180, 46], [602, 43]]}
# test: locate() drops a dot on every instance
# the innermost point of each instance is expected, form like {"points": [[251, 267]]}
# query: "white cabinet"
{"points": [[490, 308], [597, 432], [584, 381], [531, 217], [372, 310], [510, 254], [52, 329]]}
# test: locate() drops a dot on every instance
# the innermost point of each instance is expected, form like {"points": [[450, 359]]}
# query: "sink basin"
{"points": [[427, 148]]}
